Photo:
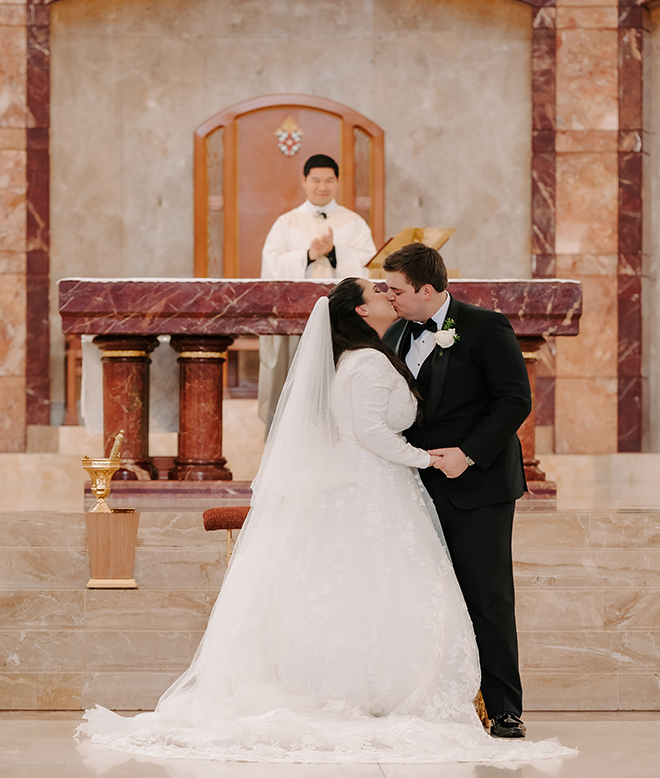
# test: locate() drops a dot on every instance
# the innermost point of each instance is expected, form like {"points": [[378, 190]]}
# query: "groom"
{"points": [[473, 381]]}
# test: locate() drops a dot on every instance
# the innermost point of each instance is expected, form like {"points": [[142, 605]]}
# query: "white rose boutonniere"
{"points": [[446, 337]]}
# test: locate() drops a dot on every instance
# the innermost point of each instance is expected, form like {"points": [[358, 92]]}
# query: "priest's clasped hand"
{"points": [[451, 461], [319, 247]]}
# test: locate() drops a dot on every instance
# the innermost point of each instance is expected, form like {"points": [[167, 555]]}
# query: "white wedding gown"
{"points": [[340, 633]]}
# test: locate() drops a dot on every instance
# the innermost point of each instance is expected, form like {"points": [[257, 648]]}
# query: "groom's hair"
{"points": [[420, 265]]}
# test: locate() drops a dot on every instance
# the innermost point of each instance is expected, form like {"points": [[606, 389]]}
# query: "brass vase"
{"points": [[111, 533]]}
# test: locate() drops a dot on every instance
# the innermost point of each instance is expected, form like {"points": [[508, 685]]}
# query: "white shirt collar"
{"points": [[440, 315], [327, 208]]}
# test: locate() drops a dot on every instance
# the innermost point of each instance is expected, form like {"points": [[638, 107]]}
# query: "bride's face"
{"points": [[376, 309]]}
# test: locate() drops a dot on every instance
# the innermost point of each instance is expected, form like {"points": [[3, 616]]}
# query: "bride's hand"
{"points": [[435, 462]]}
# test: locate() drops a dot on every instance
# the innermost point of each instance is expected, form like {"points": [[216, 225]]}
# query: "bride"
{"points": [[340, 633]]}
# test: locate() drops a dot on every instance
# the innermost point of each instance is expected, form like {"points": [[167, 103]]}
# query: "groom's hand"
{"points": [[451, 461]]}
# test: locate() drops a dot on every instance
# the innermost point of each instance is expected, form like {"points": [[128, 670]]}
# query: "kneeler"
{"points": [[228, 518], [232, 517]]}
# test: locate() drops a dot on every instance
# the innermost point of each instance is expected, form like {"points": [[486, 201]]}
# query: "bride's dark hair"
{"points": [[351, 332]]}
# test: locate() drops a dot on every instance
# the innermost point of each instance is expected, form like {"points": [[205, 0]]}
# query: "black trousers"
{"points": [[479, 542]]}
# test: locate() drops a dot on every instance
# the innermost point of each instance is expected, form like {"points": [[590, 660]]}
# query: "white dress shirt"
{"points": [[424, 344]]}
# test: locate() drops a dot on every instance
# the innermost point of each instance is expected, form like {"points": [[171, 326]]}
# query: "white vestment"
{"points": [[284, 258]]}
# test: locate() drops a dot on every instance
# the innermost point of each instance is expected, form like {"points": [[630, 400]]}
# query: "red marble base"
{"points": [[136, 470], [200, 471], [164, 495], [541, 490]]}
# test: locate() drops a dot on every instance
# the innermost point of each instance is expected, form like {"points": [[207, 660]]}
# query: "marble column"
{"points": [[13, 186], [37, 365], [586, 228], [126, 402], [199, 456], [527, 433], [629, 266], [587, 212], [24, 229]]}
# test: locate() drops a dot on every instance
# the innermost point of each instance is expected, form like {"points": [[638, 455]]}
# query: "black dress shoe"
{"points": [[507, 725]]}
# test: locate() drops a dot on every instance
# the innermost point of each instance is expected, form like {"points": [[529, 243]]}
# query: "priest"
{"points": [[318, 239]]}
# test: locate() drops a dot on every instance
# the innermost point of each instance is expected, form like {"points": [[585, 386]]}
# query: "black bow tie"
{"points": [[416, 328], [323, 214]]}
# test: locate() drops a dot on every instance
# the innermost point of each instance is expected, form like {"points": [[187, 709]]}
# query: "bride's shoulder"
{"points": [[364, 359]]}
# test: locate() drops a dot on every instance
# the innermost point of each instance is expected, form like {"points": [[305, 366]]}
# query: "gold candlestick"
{"points": [[111, 539], [101, 471]]}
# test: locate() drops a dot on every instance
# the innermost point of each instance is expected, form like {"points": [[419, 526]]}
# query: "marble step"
{"points": [[588, 605]]}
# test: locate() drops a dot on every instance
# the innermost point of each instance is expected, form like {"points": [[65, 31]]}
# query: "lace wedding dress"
{"points": [[340, 633]]}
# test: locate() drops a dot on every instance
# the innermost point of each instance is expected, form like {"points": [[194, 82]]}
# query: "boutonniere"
{"points": [[446, 337]]}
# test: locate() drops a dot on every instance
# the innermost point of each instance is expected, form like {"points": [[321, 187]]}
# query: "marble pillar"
{"points": [[199, 455], [37, 225], [126, 402], [12, 227], [24, 224], [587, 214], [536, 480]]}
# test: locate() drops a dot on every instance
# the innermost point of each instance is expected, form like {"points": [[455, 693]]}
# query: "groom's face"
{"points": [[408, 303]]}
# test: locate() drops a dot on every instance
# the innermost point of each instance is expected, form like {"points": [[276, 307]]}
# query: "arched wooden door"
{"points": [[248, 163]]}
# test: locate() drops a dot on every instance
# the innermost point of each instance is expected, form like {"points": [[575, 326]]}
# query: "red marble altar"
{"points": [[203, 316]]}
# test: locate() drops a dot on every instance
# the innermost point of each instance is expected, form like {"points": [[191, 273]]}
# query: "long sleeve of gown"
{"points": [[372, 381], [278, 259]]}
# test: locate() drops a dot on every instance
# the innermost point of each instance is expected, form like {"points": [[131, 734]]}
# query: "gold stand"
{"points": [[111, 533]]}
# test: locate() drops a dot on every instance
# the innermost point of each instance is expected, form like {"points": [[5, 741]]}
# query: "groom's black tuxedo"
{"points": [[476, 395]]}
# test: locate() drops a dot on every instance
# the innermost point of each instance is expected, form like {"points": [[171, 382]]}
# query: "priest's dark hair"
{"points": [[420, 265], [351, 332], [320, 160]]}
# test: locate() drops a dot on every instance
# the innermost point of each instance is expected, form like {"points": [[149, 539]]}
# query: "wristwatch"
{"points": [[469, 462]]}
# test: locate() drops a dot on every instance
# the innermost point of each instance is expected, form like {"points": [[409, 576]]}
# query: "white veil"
{"points": [[303, 430]]}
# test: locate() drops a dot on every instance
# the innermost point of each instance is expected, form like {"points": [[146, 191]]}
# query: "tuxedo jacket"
{"points": [[476, 394]]}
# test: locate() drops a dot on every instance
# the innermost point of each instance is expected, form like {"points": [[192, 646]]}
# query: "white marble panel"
{"points": [[574, 651], [40, 529], [125, 691], [41, 650], [52, 609], [190, 569], [59, 568], [551, 530], [176, 530], [40, 690], [639, 691], [39, 482], [145, 609], [146, 650], [547, 690], [559, 609], [630, 609], [589, 568]]}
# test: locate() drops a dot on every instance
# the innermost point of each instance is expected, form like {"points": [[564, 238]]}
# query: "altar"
{"points": [[204, 316]]}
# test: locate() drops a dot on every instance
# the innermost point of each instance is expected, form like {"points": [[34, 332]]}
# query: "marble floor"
{"points": [[611, 745]]}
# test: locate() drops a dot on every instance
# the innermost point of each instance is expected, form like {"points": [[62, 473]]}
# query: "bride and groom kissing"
{"points": [[345, 627]]}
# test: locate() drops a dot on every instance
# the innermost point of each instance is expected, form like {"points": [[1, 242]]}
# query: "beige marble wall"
{"points": [[448, 80], [12, 225], [586, 239]]}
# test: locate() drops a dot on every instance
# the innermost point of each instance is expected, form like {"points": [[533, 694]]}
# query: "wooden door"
{"points": [[246, 176]]}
